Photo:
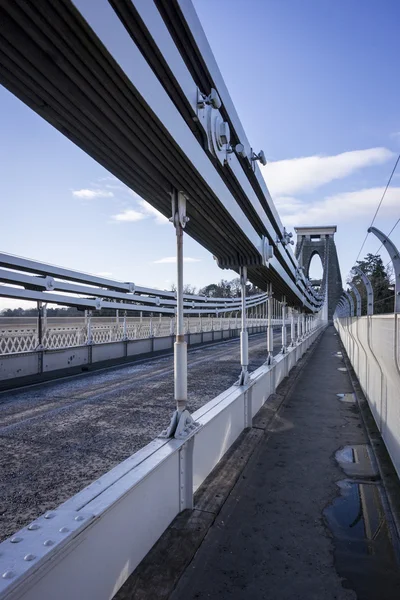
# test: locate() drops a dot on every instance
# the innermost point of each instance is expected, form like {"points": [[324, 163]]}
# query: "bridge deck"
{"points": [[57, 438], [301, 521]]}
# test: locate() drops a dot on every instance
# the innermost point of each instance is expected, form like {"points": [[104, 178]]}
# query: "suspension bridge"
{"points": [[263, 460]]}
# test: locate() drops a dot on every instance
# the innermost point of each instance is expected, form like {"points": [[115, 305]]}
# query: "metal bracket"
{"points": [[181, 425], [178, 203]]}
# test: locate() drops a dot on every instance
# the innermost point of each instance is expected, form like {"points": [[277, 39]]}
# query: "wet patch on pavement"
{"points": [[365, 554], [347, 398]]}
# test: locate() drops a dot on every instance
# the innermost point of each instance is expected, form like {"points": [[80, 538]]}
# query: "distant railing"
{"points": [[21, 334]]}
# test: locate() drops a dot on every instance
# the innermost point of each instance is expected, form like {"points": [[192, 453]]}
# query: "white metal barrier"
{"points": [[88, 546], [373, 346], [22, 335]]}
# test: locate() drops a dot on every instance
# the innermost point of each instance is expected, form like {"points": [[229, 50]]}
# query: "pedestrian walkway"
{"points": [[306, 520]]}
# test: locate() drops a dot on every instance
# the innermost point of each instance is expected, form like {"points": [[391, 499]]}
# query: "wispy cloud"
{"points": [[339, 207], [129, 215], [395, 134], [172, 259], [300, 175], [153, 212], [90, 194]]}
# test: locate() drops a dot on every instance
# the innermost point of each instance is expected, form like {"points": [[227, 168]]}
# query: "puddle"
{"points": [[356, 462], [343, 369], [364, 553], [347, 398]]}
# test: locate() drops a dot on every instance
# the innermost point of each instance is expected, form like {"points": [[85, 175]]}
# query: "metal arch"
{"points": [[351, 302], [344, 306], [395, 257], [358, 299], [369, 289]]}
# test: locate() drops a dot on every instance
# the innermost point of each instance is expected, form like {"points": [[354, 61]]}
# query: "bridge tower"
{"points": [[321, 241]]}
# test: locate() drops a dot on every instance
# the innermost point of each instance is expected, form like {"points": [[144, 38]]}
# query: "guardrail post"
{"points": [[181, 422], [89, 339], [395, 257], [284, 335], [299, 328], [270, 328], [368, 288], [292, 329], [244, 337], [40, 326]]}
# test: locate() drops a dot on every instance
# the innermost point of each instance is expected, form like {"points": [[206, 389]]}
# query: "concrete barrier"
{"points": [[88, 546], [372, 344]]}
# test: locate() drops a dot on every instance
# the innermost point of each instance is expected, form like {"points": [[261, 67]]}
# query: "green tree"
{"points": [[374, 269]]}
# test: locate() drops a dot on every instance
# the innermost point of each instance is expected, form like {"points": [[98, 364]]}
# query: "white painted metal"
{"points": [[373, 347], [395, 258], [244, 336], [358, 299], [368, 288], [123, 513]]}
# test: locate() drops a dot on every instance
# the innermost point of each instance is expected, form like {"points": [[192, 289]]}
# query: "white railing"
{"points": [[88, 546], [373, 346], [22, 336]]}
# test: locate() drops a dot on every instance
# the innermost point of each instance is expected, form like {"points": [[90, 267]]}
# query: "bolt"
{"points": [[49, 515], [16, 539], [33, 527], [64, 530], [48, 543], [79, 518], [8, 575], [29, 557]]}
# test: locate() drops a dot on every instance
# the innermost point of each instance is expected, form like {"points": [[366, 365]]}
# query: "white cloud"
{"points": [[150, 210], [129, 215], [339, 207], [90, 194], [172, 260], [296, 175]]}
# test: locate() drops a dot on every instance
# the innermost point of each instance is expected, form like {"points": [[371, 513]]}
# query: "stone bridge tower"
{"points": [[320, 240]]}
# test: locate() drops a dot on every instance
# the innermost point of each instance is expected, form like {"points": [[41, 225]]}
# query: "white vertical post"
{"points": [[151, 327], [284, 336], [299, 327], [89, 327], [270, 327], [125, 328], [244, 337], [292, 329]]}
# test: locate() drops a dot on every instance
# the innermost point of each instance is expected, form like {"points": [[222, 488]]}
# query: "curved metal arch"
{"points": [[369, 290], [343, 307], [395, 257], [358, 299], [351, 302]]}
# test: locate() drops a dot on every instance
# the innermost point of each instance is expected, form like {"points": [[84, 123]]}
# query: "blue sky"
{"points": [[315, 85]]}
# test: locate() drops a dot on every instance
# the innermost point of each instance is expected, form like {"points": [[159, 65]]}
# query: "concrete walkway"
{"points": [[303, 522]]}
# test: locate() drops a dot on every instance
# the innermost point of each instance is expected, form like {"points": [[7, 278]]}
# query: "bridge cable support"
{"points": [[395, 257], [270, 330], [284, 333], [244, 336], [182, 423]]}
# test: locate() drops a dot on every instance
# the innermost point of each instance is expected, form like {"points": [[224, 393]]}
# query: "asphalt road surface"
{"points": [[57, 438]]}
